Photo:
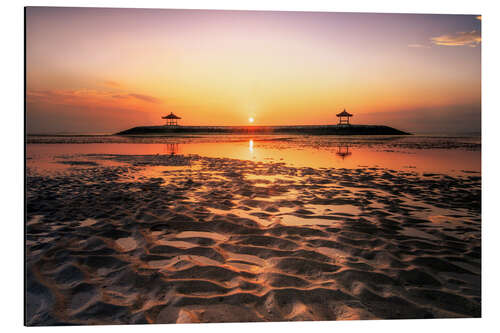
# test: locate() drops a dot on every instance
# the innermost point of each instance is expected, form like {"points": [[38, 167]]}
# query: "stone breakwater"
{"points": [[309, 129]]}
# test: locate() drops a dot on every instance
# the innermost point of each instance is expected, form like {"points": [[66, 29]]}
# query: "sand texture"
{"points": [[122, 239]]}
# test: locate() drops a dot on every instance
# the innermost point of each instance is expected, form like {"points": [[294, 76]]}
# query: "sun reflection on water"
{"points": [[49, 156]]}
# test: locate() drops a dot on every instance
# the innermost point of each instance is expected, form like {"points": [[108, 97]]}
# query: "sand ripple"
{"points": [[229, 240]]}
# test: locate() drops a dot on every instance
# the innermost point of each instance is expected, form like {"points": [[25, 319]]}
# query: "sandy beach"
{"points": [[186, 238]]}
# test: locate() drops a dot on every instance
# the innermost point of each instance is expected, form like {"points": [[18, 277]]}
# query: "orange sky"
{"points": [[104, 70]]}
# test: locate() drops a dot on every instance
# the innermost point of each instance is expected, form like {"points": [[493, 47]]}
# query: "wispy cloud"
{"points": [[90, 97], [141, 97], [112, 84], [419, 46], [472, 39], [145, 98]]}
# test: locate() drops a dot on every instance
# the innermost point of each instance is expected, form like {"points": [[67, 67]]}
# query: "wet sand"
{"points": [[118, 239]]}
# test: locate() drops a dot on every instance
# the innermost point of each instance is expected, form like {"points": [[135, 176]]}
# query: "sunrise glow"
{"points": [[89, 72]]}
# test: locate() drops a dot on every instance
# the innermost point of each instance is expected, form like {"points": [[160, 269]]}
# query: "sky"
{"points": [[106, 70]]}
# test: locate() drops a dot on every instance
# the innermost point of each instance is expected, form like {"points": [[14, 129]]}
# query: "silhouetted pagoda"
{"points": [[171, 119], [344, 117]]}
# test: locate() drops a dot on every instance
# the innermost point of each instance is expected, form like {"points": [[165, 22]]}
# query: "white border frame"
{"points": [[12, 193]]}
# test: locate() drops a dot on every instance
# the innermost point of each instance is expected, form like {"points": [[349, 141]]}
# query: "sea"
{"points": [[421, 153]]}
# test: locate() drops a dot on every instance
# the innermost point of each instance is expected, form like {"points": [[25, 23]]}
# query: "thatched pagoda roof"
{"points": [[344, 114], [171, 116]]}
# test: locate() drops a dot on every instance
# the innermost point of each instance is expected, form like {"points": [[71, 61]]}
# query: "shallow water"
{"points": [[421, 154]]}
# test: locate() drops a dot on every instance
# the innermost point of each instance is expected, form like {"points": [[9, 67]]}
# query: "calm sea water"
{"points": [[419, 153]]}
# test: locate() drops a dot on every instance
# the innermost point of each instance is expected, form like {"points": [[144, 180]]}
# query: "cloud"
{"points": [[97, 98], [80, 110], [145, 98], [112, 84], [141, 97], [418, 46], [472, 39]]}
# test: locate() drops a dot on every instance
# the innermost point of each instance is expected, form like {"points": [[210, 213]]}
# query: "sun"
{"points": [[250, 120]]}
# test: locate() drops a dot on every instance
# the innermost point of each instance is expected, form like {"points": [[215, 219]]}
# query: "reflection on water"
{"points": [[326, 155], [172, 148], [343, 151]]}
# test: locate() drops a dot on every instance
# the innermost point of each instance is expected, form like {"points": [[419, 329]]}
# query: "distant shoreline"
{"points": [[302, 129]]}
